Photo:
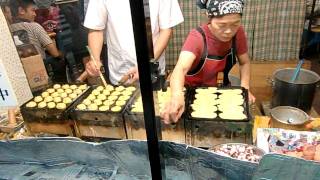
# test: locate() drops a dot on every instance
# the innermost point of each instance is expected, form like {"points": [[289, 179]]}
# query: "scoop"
{"points": [[297, 70]]}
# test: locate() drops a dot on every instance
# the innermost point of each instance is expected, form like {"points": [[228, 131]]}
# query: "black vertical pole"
{"points": [[142, 53]]}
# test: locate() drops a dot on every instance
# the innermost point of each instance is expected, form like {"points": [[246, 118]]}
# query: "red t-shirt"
{"points": [[194, 44]]}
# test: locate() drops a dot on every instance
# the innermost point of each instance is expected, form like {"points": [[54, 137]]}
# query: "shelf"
{"points": [[315, 29]]}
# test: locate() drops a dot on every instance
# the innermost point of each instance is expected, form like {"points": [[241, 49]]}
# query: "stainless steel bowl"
{"points": [[287, 117]]}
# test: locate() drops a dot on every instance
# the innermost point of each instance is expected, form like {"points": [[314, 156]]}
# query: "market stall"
{"points": [[221, 133]]}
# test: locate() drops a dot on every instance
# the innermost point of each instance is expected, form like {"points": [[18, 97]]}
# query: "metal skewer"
{"points": [[95, 63]]}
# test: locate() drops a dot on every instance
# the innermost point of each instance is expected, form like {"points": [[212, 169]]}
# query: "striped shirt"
{"points": [[37, 35]]}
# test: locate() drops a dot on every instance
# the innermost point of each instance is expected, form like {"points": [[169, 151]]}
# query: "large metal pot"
{"points": [[299, 93], [287, 117]]}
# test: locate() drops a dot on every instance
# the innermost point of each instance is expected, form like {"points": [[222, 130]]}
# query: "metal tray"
{"points": [[103, 118], [245, 105], [138, 94], [46, 114]]}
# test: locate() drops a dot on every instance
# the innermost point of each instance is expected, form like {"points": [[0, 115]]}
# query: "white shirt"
{"points": [[115, 17]]}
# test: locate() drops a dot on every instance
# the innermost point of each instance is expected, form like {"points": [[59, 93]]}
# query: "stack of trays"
{"points": [[53, 103]]}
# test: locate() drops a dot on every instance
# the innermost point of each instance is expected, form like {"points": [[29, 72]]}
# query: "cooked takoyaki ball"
{"points": [[68, 91], [100, 88], [98, 102], [103, 108], [78, 91], [115, 93], [45, 94], [91, 97], [56, 86], [95, 92], [50, 90], [31, 104], [106, 92], [112, 97], [57, 99], [87, 102], [131, 88], [126, 93], [67, 100], [124, 98], [73, 87], [38, 99], [109, 88], [60, 90], [83, 87], [73, 95], [108, 102], [61, 106], [119, 88], [55, 94], [116, 109], [120, 103], [51, 105], [63, 95], [48, 99], [82, 107], [102, 97], [42, 105], [92, 107], [65, 86]]}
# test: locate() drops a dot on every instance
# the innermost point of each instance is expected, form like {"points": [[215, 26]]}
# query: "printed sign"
{"points": [[7, 95]]}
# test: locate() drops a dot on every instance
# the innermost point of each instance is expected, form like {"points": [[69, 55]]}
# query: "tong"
{"points": [[95, 63]]}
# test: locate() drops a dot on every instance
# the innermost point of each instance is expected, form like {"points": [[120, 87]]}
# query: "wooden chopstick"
{"points": [[95, 63]]}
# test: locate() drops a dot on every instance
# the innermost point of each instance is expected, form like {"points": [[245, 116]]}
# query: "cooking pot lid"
{"points": [[304, 77], [289, 115]]}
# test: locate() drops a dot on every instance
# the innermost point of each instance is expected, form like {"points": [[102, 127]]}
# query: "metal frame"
{"points": [[139, 15]]}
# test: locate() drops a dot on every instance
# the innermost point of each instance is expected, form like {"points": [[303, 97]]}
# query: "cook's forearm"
{"points": [[177, 81], [95, 42], [244, 62], [245, 75], [162, 42]]}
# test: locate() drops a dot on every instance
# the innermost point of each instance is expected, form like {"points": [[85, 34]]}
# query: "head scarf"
{"points": [[216, 8], [44, 4]]}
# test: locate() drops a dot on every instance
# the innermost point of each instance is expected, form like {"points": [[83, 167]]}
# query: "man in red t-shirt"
{"points": [[205, 53]]}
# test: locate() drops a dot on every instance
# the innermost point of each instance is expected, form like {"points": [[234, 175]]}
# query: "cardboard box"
{"points": [[35, 70]]}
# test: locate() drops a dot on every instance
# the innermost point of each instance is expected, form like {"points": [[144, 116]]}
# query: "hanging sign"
{"points": [[7, 95]]}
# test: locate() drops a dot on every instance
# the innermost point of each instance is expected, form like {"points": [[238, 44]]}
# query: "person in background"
{"points": [[113, 17], [23, 13], [47, 15], [6, 11], [205, 52]]}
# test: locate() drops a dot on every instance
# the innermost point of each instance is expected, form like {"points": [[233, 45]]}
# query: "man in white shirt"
{"points": [[114, 16]]}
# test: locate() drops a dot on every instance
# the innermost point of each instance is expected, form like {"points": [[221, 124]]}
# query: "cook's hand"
{"points": [[133, 74], [173, 109], [252, 99], [92, 69]]}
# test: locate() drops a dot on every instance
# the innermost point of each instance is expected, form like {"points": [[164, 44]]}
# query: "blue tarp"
{"points": [[71, 158]]}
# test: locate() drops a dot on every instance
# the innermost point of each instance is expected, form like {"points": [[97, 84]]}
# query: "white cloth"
{"points": [[115, 17]]}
